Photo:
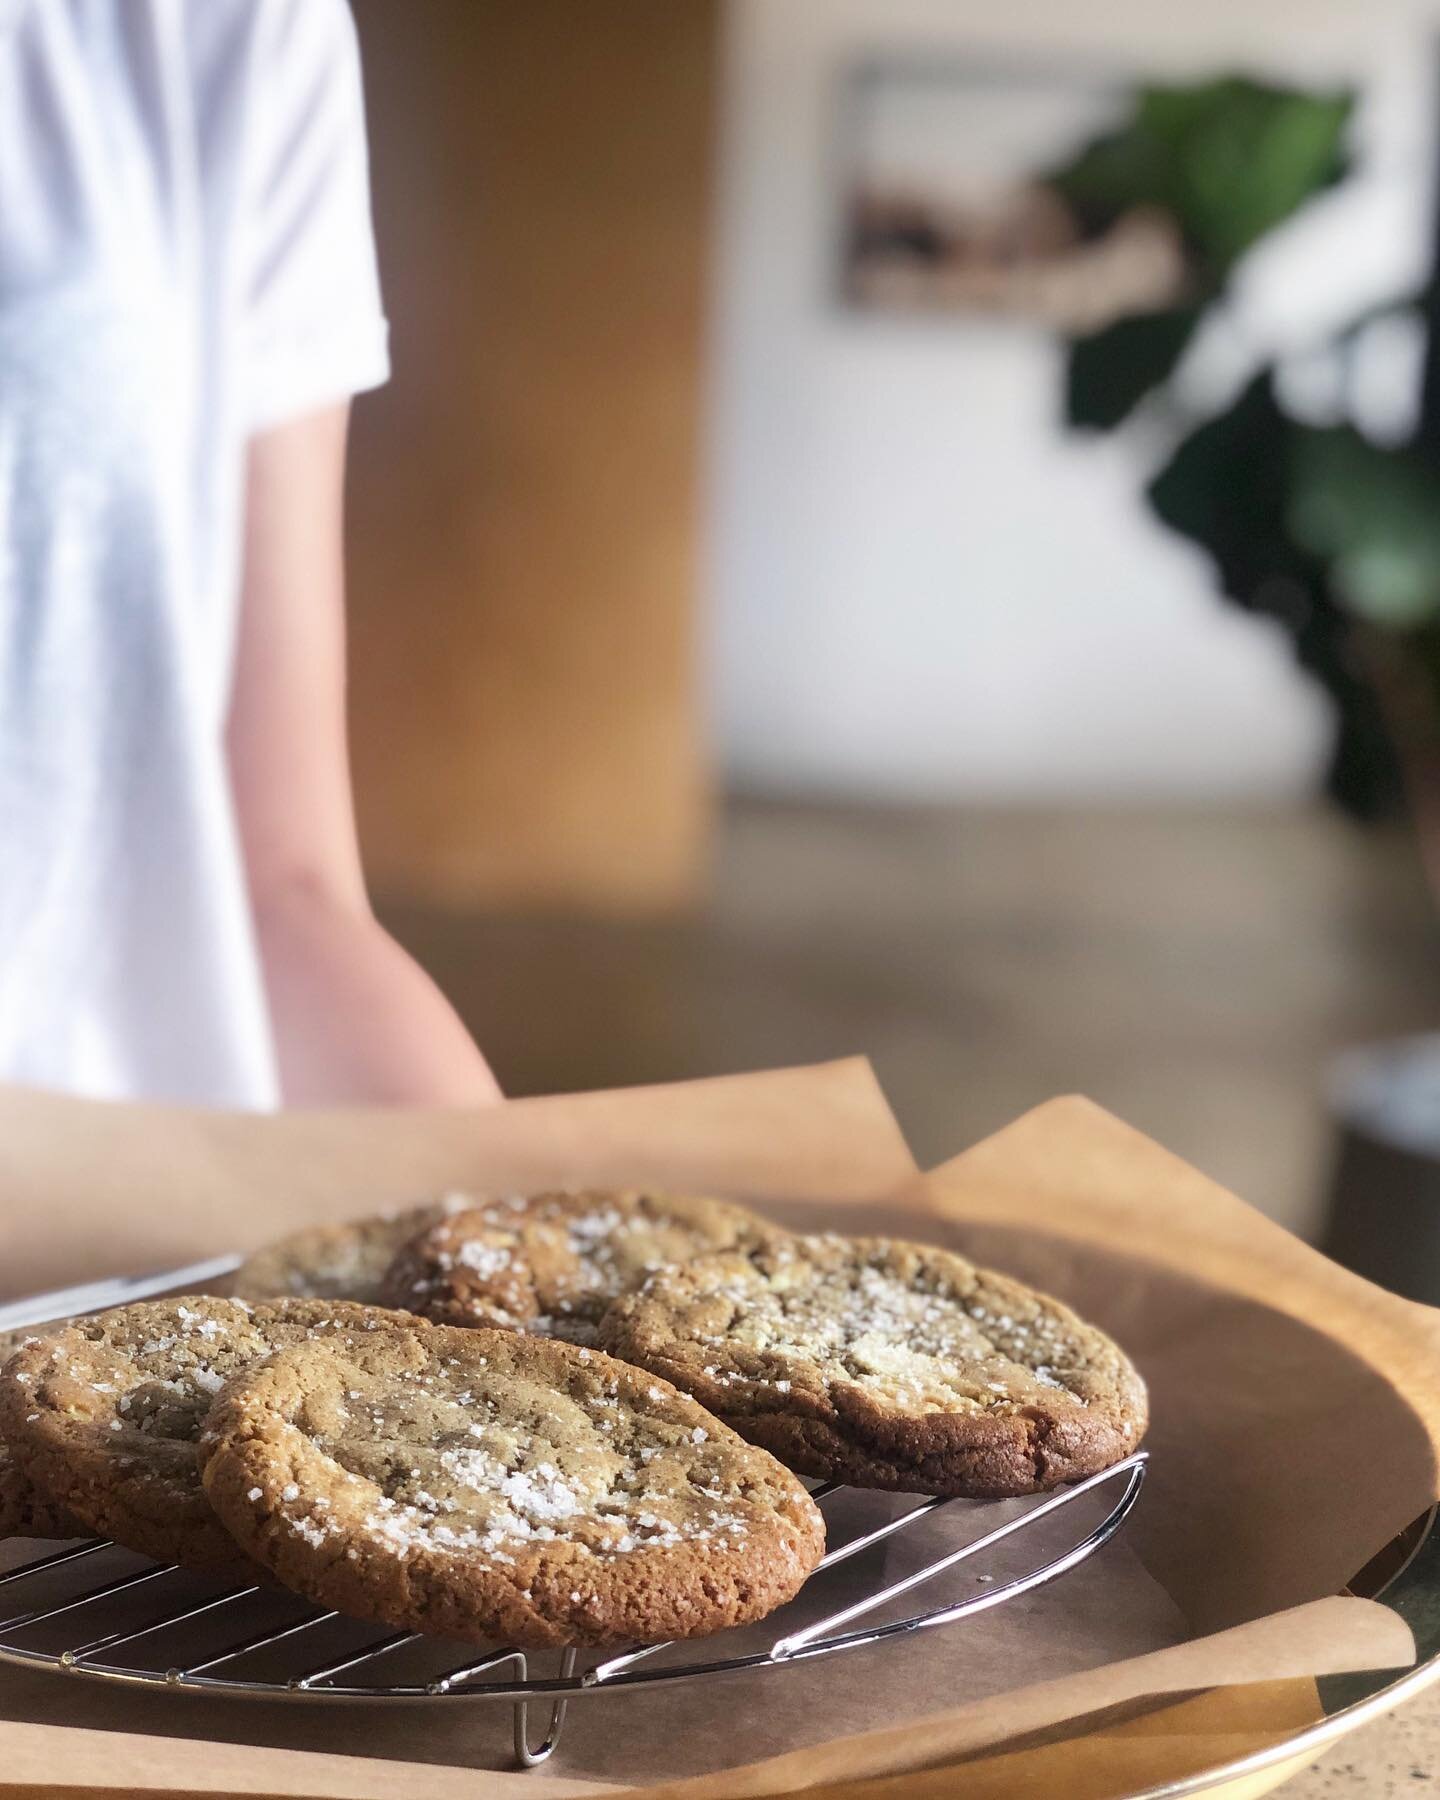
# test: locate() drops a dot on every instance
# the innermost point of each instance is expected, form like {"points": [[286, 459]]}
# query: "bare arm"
{"points": [[355, 1018]]}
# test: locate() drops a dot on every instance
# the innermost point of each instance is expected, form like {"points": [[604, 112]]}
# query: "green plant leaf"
{"points": [[1110, 372], [1229, 488], [1226, 488], [1373, 515], [1229, 160]]}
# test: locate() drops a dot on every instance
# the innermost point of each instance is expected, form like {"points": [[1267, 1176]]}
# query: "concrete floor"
{"points": [[1193, 970]]}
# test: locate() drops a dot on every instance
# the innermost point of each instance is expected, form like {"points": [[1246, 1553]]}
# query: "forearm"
{"points": [[355, 1018]]}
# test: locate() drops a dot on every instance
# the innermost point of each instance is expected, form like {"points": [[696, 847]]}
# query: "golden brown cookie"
{"points": [[488, 1486], [552, 1263], [888, 1364], [103, 1414], [339, 1262], [24, 1510]]}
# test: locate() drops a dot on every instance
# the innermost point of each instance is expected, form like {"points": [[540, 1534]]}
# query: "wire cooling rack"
{"points": [[94, 1611]]}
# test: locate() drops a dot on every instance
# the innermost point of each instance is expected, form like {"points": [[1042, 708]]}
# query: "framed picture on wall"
{"points": [[948, 203]]}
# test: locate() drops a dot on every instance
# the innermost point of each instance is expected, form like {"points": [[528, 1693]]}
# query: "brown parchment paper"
{"points": [[1295, 1407], [88, 1189], [1263, 1361]]}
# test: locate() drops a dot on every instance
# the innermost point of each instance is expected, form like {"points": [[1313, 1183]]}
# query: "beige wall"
{"points": [[523, 499], [922, 588]]}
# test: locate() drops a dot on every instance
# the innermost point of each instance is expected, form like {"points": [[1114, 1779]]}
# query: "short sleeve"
{"points": [[312, 327]]}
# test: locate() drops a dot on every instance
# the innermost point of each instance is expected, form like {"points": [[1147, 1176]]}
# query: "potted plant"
{"points": [[1327, 525]]}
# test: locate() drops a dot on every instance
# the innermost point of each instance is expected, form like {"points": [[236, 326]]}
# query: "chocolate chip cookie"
{"points": [[103, 1414], [492, 1486], [339, 1262], [552, 1263], [888, 1364], [24, 1510]]}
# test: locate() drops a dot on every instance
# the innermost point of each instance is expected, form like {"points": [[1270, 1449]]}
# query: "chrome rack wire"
{"points": [[178, 1632]]}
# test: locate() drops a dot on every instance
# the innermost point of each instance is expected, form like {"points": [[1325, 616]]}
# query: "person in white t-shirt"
{"points": [[188, 300]]}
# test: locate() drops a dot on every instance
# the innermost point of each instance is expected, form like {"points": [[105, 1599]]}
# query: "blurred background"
{"points": [[913, 527]]}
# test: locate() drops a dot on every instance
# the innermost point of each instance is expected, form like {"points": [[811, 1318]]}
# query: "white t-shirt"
{"points": [[185, 259]]}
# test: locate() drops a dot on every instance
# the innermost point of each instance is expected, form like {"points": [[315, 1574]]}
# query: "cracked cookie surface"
{"points": [[552, 1263], [491, 1486], [103, 1414], [888, 1364], [339, 1262]]}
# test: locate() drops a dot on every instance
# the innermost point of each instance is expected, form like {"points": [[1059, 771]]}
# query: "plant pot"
{"points": [[1384, 1211]]}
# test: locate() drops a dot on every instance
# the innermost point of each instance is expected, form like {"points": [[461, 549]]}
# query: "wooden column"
{"points": [[523, 555]]}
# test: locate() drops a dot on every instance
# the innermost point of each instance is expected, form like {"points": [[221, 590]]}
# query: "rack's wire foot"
{"points": [[524, 1755]]}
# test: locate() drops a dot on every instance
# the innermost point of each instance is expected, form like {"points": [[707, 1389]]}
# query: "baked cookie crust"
{"points": [[490, 1486], [103, 1415], [339, 1262], [888, 1364], [24, 1510], [552, 1263]]}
